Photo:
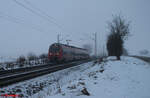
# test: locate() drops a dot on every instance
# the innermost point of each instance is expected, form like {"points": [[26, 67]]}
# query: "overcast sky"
{"points": [[23, 31]]}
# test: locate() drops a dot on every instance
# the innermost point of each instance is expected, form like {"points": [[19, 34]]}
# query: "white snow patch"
{"points": [[50, 82], [128, 78]]}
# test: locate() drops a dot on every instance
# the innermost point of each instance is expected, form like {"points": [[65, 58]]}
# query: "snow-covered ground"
{"points": [[143, 55], [8, 64], [47, 84], [128, 78]]}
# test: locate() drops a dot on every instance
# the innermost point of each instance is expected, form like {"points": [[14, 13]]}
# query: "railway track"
{"points": [[19, 70], [147, 59], [17, 75]]}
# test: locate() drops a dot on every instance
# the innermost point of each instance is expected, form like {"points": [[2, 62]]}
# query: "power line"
{"points": [[36, 13], [19, 21], [36, 8]]}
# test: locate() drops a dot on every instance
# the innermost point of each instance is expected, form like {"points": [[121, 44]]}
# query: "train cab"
{"points": [[55, 52]]}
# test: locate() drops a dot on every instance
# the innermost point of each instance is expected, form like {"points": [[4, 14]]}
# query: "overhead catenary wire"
{"points": [[35, 10], [43, 15], [38, 9], [20, 22], [37, 13]]}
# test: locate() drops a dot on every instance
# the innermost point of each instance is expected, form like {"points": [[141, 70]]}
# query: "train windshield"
{"points": [[54, 48]]}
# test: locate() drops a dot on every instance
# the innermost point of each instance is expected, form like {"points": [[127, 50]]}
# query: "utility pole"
{"points": [[104, 51], [95, 40], [58, 39]]}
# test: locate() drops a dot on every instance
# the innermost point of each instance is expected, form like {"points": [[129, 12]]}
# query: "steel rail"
{"points": [[25, 75]]}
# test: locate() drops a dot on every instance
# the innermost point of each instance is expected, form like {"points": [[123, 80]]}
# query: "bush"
{"points": [[21, 60], [31, 56], [42, 56], [115, 45]]}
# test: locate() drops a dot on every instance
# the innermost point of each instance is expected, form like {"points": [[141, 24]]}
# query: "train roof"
{"points": [[69, 46]]}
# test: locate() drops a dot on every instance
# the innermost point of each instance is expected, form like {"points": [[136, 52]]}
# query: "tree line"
{"points": [[30, 60]]}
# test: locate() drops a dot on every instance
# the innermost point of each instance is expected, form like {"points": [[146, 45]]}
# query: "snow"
{"points": [[128, 78], [143, 55], [4, 59], [9, 63], [47, 83]]}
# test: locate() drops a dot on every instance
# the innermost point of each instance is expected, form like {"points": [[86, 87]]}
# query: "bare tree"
{"points": [[42, 56], [31, 56], [119, 26], [21, 60], [119, 31]]}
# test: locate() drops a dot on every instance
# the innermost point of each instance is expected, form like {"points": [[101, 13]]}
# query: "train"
{"points": [[64, 53]]}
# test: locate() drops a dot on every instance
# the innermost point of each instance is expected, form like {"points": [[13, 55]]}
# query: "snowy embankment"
{"points": [[47, 84], [128, 78], [8, 64]]}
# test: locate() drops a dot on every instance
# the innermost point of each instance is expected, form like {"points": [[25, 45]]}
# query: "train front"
{"points": [[55, 53]]}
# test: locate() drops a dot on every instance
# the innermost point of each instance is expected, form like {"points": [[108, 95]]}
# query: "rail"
{"points": [[17, 75]]}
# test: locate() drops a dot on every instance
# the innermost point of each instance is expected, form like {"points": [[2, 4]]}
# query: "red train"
{"points": [[63, 53]]}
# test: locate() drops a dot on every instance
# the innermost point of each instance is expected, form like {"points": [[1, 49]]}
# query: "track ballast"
{"points": [[9, 77]]}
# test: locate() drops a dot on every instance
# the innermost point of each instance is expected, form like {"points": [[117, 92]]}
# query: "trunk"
{"points": [[118, 57]]}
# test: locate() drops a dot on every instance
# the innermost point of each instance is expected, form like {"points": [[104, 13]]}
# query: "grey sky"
{"points": [[78, 18]]}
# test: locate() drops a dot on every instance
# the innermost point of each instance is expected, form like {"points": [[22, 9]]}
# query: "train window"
{"points": [[54, 48]]}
